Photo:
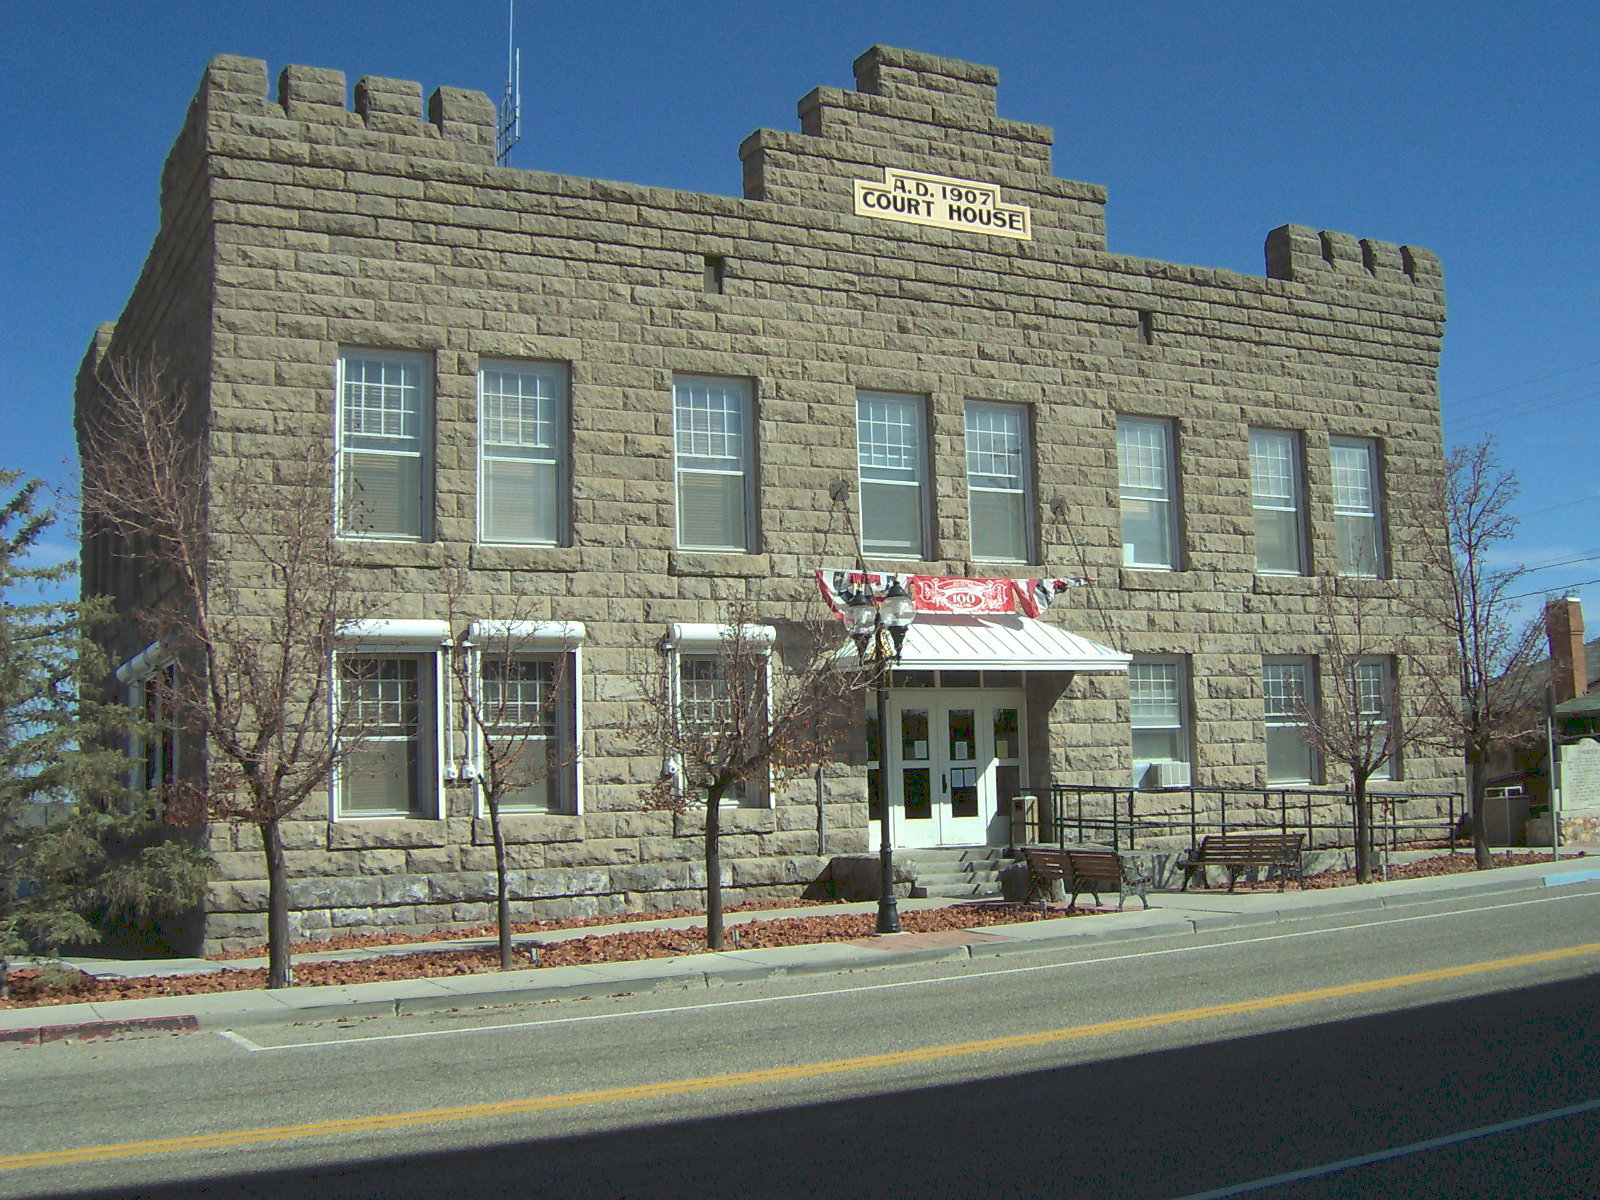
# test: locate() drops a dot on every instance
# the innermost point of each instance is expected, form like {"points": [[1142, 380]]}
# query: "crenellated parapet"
{"points": [[461, 120], [1300, 254]]}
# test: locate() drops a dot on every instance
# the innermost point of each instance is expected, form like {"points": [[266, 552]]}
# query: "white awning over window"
{"points": [[1000, 642]]}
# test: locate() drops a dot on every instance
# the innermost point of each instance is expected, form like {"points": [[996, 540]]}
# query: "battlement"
{"points": [[1300, 254], [233, 84]]}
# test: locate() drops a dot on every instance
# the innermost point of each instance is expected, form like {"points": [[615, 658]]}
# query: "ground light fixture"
{"points": [[868, 618]]}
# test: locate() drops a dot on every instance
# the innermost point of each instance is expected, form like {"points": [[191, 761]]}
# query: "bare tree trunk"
{"points": [[1480, 827], [277, 907], [502, 899], [714, 868], [5, 978], [1363, 831]]}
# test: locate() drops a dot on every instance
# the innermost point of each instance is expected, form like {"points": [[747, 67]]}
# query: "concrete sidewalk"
{"points": [[1170, 913]]}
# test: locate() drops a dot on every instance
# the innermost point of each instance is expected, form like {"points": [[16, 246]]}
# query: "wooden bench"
{"points": [[1088, 871], [1278, 852]]}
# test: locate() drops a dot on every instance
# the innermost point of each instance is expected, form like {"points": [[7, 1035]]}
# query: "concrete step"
{"points": [[957, 872]]}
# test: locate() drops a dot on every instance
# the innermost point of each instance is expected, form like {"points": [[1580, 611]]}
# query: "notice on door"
{"points": [[945, 203]]}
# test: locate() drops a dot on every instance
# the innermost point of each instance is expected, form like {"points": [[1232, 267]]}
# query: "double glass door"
{"points": [[954, 762]]}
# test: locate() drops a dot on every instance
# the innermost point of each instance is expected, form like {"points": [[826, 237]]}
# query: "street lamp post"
{"points": [[868, 618]]}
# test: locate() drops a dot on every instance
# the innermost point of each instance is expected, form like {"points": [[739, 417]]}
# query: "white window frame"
{"points": [[1284, 720], [420, 444], [879, 476], [550, 641], [556, 454], [1179, 666], [979, 455], [1294, 503], [403, 638], [1346, 511], [693, 640], [1166, 494], [746, 457], [1375, 677], [155, 753]]}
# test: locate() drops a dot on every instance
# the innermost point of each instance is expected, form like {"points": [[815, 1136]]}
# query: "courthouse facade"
{"points": [[618, 407]]}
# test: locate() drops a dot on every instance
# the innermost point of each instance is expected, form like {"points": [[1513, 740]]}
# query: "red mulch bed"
{"points": [[33, 987]]}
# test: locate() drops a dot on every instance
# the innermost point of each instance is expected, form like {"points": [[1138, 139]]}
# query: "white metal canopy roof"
{"points": [[1002, 642]]}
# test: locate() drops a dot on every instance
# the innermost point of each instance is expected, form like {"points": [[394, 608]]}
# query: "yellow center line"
{"points": [[838, 1066]]}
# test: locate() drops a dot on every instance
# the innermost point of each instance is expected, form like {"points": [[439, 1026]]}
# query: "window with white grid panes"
{"points": [[891, 444], [706, 700], [1158, 695], [1289, 688], [999, 482], [1357, 513], [527, 716], [1374, 689], [385, 418], [711, 422], [388, 703], [522, 458], [1147, 482], [1278, 499]]}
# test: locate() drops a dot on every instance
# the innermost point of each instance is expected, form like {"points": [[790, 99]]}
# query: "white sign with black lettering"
{"points": [[1580, 779], [944, 203]]}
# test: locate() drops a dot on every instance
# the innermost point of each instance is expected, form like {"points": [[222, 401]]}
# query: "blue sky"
{"points": [[1470, 129]]}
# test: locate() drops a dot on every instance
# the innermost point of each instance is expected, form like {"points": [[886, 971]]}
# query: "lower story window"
{"points": [[1374, 680], [1289, 686], [387, 706], [1157, 689], [707, 701], [528, 724]]}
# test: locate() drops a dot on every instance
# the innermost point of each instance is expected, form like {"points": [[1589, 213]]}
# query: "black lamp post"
{"points": [[868, 618]]}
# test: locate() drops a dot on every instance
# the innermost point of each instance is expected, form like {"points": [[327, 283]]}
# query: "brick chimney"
{"points": [[1563, 626]]}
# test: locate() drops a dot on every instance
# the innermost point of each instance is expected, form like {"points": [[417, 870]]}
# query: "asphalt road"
{"points": [[1447, 1050]]}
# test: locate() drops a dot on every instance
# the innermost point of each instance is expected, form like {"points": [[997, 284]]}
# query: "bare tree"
{"points": [[1481, 701], [246, 589], [512, 685], [731, 722]]}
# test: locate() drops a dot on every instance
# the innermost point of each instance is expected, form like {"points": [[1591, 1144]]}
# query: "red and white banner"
{"points": [[946, 594]]}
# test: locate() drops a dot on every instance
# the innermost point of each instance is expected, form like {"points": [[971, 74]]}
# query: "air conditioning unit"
{"points": [[1166, 775]]}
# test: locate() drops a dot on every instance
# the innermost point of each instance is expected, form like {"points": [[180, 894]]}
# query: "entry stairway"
{"points": [[959, 872]]}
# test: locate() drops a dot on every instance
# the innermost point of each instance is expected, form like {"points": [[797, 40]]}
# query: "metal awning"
{"points": [[1000, 642]]}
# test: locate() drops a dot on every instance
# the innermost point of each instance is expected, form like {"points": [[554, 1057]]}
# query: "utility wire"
{"points": [[1480, 423], [1564, 504], [1564, 590], [1511, 387]]}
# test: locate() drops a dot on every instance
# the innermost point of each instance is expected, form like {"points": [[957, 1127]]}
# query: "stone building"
{"points": [[630, 404]]}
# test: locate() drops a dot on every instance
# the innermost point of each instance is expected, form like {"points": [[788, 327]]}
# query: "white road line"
{"points": [[1363, 1160], [238, 1039], [904, 983]]}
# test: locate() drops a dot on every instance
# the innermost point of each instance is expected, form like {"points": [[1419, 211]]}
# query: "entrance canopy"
{"points": [[999, 642]]}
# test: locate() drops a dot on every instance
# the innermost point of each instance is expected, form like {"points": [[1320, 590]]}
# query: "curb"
{"points": [[87, 1030]]}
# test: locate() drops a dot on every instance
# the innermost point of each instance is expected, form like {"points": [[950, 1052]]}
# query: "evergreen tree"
{"points": [[76, 844]]}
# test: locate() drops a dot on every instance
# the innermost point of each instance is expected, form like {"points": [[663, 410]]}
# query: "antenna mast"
{"points": [[509, 130]]}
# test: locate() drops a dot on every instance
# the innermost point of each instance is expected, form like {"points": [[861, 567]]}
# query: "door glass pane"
{"points": [[914, 735], [1005, 733], [918, 800], [963, 736], [963, 791]]}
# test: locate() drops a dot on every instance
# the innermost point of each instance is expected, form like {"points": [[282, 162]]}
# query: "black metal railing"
{"points": [[1121, 817]]}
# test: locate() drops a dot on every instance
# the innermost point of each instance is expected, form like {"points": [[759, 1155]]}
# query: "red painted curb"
{"points": [[87, 1030]]}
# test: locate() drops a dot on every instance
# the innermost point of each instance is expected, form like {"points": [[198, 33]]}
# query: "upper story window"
{"points": [[1357, 513], [711, 423], [1289, 688], [1158, 691], [385, 435], [892, 451], [1279, 502], [1148, 484], [522, 453], [999, 482]]}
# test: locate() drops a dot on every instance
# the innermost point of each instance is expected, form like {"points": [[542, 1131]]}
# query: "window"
{"points": [[151, 681], [1158, 690], [522, 453], [1276, 495], [384, 435], [711, 698], [1289, 688], [1374, 689], [999, 482], [1148, 486], [891, 446], [527, 675], [1358, 519], [387, 701], [715, 468]]}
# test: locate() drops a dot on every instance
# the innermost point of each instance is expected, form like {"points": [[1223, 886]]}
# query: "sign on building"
{"points": [[942, 202]]}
